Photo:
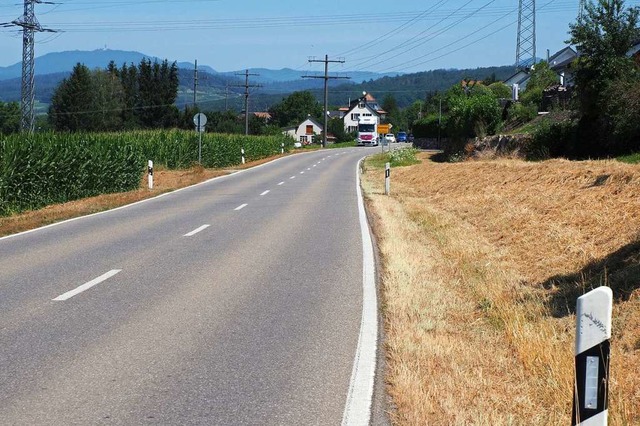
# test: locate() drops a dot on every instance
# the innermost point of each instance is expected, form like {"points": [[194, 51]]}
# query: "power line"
{"points": [[246, 98], [326, 78], [365, 46]]}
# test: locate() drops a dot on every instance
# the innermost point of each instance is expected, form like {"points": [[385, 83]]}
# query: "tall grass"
{"points": [[46, 168]]}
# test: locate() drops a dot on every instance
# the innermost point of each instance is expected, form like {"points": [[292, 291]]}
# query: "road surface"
{"points": [[237, 301]]}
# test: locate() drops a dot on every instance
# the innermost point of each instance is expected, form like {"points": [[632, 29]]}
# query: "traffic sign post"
{"points": [[200, 120]]}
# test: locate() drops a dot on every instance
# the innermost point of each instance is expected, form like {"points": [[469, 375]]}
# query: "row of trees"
{"points": [[129, 97], [604, 111], [9, 117]]}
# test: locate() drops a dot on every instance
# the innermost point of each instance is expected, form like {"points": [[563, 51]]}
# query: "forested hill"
{"points": [[405, 88], [410, 87]]}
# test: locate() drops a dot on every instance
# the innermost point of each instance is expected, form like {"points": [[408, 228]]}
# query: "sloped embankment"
{"points": [[482, 262]]}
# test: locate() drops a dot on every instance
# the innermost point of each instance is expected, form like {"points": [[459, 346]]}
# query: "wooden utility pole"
{"points": [[326, 90], [246, 98]]}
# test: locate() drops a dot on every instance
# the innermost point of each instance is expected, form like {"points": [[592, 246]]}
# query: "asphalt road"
{"points": [[233, 302]]}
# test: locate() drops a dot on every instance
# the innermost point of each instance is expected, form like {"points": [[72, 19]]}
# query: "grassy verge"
{"points": [[482, 262], [631, 159], [164, 181]]}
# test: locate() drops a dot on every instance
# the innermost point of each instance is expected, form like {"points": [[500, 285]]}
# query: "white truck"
{"points": [[367, 131]]}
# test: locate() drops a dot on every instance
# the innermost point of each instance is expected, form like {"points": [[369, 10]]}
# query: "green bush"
{"points": [[553, 139], [427, 127]]}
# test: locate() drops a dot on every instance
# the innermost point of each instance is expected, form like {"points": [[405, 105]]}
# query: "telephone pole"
{"points": [[195, 84], [526, 44], [326, 89], [30, 26], [246, 98]]}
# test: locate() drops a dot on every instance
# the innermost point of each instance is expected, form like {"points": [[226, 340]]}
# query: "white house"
{"points": [[560, 62], [305, 131], [519, 80], [366, 106]]}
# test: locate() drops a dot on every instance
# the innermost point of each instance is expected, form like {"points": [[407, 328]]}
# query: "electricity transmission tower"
{"points": [[30, 26], [583, 3], [526, 46], [326, 90]]}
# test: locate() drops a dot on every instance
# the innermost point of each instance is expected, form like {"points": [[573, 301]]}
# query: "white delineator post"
{"points": [[282, 148], [150, 174], [242, 152], [593, 334], [387, 179]]}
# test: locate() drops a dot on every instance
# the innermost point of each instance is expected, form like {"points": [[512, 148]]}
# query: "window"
{"points": [[355, 117], [309, 130], [303, 139]]}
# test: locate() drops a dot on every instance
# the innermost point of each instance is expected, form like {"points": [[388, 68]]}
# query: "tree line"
{"points": [[129, 97]]}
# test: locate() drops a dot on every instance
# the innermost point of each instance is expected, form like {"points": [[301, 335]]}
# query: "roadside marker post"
{"points": [[282, 148], [592, 352], [150, 174], [242, 152], [387, 179]]}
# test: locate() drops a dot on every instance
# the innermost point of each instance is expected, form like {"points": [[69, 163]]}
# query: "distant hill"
{"points": [[286, 75], [60, 62], [63, 62], [219, 90]]}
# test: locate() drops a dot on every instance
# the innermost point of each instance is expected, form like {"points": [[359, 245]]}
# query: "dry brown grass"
{"points": [[482, 263]]}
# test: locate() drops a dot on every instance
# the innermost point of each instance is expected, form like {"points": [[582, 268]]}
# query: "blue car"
{"points": [[401, 137]]}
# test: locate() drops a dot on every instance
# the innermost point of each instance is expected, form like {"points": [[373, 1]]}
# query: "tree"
{"points": [[471, 112], [157, 91], [9, 118], [335, 127], [107, 102], [603, 36], [72, 101], [295, 108], [541, 78]]}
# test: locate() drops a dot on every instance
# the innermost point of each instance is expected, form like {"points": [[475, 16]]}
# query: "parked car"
{"points": [[402, 137], [390, 137]]}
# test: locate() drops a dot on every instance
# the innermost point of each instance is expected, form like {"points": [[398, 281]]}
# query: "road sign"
{"points": [[199, 119], [384, 128]]}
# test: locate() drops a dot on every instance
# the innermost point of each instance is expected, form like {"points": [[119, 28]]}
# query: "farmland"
{"points": [[47, 168]]}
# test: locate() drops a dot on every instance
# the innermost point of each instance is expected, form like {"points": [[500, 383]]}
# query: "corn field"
{"points": [[41, 169]]}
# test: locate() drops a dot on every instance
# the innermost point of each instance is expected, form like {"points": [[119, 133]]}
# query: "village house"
{"points": [[366, 106], [305, 132]]}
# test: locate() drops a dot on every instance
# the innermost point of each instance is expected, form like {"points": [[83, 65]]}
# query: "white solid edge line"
{"points": [[166, 194], [86, 286], [357, 410], [241, 207], [265, 192], [195, 231]]}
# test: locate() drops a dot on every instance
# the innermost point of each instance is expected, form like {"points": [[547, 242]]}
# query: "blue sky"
{"points": [[373, 35]]}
